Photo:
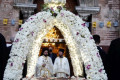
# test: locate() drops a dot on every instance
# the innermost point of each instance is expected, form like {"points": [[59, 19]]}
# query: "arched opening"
{"points": [[55, 39], [75, 59], [80, 43]]}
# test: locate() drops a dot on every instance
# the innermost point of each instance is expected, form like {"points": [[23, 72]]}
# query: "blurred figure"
{"points": [[113, 59], [9, 48], [3, 52], [12, 40], [101, 51], [61, 66], [51, 54]]}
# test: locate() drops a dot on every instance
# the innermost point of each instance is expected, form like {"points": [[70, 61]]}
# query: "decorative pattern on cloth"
{"points": [[46, 71], [61, 67]]}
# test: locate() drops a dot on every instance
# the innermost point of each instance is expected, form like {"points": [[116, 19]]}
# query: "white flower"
{"points": [[77, 37]]}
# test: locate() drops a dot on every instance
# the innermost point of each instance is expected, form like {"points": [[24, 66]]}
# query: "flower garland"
{"points": [[77, 36], [53, 9]]}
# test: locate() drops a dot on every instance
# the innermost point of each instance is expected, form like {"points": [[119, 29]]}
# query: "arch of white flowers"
{"points": [[77, 36]]}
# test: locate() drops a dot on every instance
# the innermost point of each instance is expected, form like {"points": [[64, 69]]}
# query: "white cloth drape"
{"points": [[61, 67], [46, 71]]}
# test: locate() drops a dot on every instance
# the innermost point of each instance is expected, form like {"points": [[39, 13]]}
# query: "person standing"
{"points": [[61, 66], [52, 55], [44, 67], [101, 51], [10, 47], [113, 60], [3, 52]]}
